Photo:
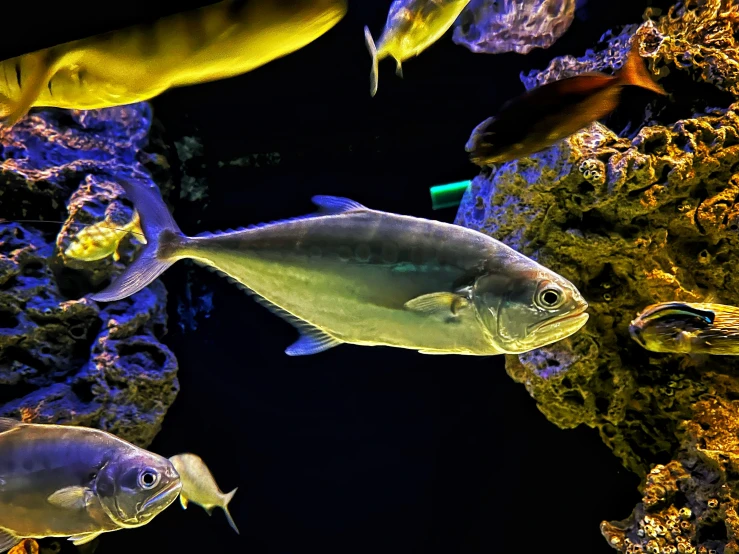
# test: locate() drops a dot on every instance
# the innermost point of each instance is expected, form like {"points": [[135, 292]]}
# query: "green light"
{"points": [[449, 195]]}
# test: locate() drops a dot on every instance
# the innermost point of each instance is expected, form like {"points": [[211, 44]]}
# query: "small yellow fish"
{"points": [[411, 27], [102, 239], [688, 328], [137, 63], [199, 486]]}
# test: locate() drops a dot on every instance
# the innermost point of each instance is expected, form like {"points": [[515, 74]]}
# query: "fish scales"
{"points": [[32, 465]]}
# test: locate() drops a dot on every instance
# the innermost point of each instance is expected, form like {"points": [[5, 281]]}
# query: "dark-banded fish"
{"points": [[351, 274], [688, 328], [199, 486], [137, 63], [65, 481], [411, 27], [98, 241], [545, 115]]}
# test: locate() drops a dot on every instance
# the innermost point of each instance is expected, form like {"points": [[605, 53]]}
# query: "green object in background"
{"points": [[448, 196]]}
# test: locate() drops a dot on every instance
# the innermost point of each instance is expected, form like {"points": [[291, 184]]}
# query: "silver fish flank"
{"points": [[349, 274]]}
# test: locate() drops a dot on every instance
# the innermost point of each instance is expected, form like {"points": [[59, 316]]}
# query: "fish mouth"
{"points": [[566, 324], [163, 498]]}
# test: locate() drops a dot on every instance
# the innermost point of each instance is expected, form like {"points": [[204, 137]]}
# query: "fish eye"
{"points": [[149, 478], [550, 297]]}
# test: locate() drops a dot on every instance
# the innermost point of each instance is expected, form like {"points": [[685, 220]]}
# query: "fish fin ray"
{"points": [[73, 498], [159, 229], [184, 501], [7, 540], [336, 204], [312, 340], [374, 72], [79, 540], [226, 501], [444, 303], [634, 72], [7, 424]]}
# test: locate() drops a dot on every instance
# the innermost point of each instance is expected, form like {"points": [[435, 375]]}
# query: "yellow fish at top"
{"points": [[102, 239], [137, 63], [411, 27]]}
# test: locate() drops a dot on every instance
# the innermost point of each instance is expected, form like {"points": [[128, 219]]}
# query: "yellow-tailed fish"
{"points": [[98, 241], [688, 328], [137, 63], [411, 27], [65, 481], [349, 274], [199, 486]]}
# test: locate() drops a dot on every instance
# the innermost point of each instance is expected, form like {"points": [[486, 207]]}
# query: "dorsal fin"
{"points": [[336, 204], [327, 205], [6, 424]]}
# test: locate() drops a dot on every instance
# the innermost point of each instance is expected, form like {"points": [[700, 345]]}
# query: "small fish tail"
{"points": [[164, 241], [634, 72], [226, 499], [374, 73]]}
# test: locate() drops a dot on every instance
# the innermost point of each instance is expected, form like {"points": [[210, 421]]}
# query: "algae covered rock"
{"points": [[647, 215], [63, 358], [495, 27]]}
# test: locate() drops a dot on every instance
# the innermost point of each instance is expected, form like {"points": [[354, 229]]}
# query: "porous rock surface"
{"points": [[633, 221], [495, 26], [64, 358]]}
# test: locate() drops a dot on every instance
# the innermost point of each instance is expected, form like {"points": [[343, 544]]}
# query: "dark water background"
{"points": [[355, 450]]}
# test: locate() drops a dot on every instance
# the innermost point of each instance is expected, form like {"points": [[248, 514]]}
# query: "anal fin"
{"points": [[7, 540], [79, 540]]}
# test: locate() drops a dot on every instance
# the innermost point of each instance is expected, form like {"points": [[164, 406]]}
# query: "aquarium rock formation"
{"points": [[495, 27], [64, 358], [647, 217]]}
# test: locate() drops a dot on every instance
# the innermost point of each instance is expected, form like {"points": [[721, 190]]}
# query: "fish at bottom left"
{"points": [[76, 482]]}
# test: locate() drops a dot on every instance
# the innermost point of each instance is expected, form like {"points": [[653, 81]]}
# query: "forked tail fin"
{"points": [[163, 237], [226, 499], [374, 73], [635, 72]]}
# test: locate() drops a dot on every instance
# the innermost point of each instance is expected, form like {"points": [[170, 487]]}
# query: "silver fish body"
{"points": [[361, 276], [65, 481]]}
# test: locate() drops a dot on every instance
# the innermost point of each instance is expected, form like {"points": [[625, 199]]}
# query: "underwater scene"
{"points": [[411, 276]]}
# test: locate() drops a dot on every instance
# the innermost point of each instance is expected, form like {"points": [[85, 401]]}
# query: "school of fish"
{"points": [[343, 274]]}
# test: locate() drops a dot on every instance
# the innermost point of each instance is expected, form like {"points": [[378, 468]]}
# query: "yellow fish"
{"points": [[137, 63], [411, 27], [102, 239]]}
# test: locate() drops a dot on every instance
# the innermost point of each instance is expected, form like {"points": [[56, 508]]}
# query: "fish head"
{"points": [[527, 307], [670, 326], [136, 486]]}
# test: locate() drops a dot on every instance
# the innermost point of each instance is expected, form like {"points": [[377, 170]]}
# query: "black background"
{"points": [[355, 450]]}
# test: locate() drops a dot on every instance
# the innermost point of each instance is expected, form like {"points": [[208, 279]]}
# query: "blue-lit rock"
{"points": [[64, 358], [495, 27]]}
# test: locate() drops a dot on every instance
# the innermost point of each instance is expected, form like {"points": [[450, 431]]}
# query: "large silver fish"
{"points": [[688, 328], [351, 274], [65, 481]]}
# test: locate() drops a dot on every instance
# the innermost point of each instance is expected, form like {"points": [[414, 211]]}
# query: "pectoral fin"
{"points": [[7, 540], [79, 540], [184, 501], [438, 303], [72, 498]]}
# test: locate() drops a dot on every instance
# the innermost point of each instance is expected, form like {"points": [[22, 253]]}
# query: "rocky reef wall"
{"points": [[64, 358], [647, 215]]}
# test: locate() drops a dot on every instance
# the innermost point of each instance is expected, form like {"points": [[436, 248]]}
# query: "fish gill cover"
{"points": [[64, 358], [632, 220]]}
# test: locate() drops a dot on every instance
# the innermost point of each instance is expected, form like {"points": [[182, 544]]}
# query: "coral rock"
{"points": [[494, 27], [63, 358]]}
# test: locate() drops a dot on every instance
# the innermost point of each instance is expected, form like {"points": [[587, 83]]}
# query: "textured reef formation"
{"points": [[646, 217], [495, 27], [63, 358]]}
